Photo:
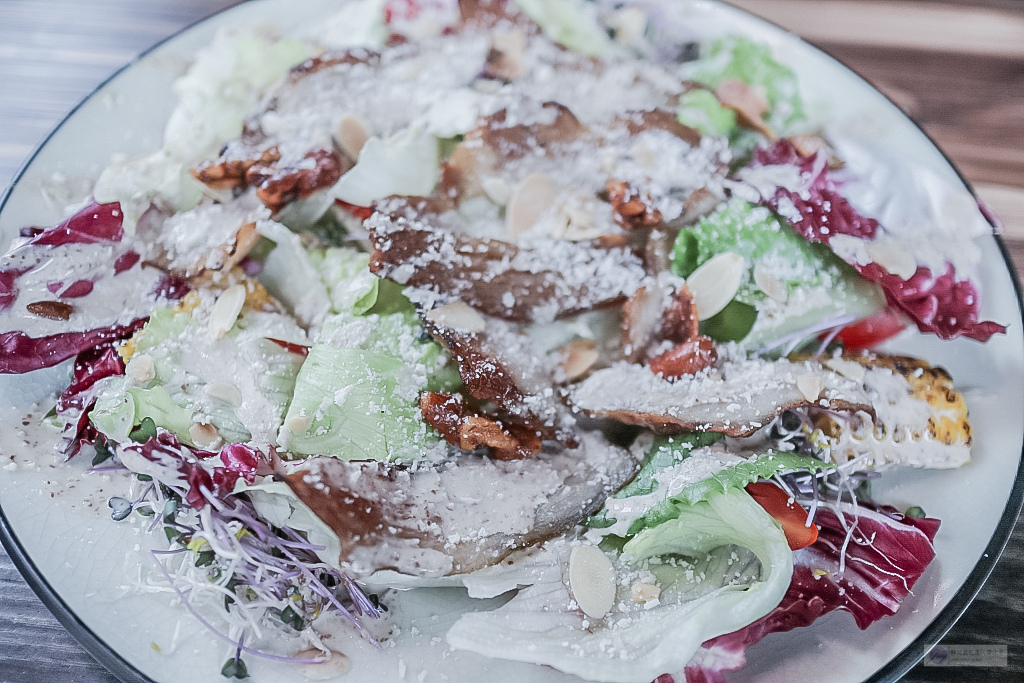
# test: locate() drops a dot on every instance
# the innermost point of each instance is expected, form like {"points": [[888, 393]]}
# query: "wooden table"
{"points": [[958, 69]]}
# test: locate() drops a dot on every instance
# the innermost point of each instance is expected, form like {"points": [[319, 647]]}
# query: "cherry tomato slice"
{"points": [[790, 515], [360, 212], [873, 330]]}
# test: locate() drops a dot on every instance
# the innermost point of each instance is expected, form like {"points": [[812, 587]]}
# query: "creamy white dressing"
{"points": [[114, 300]]}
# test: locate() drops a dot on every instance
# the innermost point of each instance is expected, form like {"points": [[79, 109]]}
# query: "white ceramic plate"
{"points": [[56, 525]]}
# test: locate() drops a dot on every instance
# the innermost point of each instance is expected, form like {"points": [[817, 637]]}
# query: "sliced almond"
{"points": [[639, 322], [715, 283], [457, 316], [847, 368], [298, 424], [644, 592], [140, 368], [592, 580], [223, 391], [205, 436], [496, 188], [578, 357], [810, 386], [225, 311], [535, 194], [899, 262], [769, 284], [333, 664], [352, 135]]}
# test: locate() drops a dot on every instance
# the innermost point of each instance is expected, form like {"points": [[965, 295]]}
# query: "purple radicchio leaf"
{"points": [[886, 555], [20, 353], [937, 303]]}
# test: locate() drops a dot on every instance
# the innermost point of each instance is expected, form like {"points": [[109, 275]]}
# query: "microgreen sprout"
{"points": [[234, 668], [145, 431], [122, 507], [103, 452]]}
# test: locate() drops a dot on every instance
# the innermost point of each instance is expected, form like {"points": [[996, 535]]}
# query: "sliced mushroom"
{"points": [[493, 144], [549, 280], [636, 122], [736, 397], [458, 516]]}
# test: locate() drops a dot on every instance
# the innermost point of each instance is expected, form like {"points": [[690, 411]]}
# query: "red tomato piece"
{"points": [[360, 212], [789, 514], [873, 330]]}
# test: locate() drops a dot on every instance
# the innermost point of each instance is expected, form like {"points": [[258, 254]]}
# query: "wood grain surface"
{"points": [[958, 69]]}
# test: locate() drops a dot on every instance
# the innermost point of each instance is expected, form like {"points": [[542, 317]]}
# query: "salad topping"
{"points": [[510, 297]]}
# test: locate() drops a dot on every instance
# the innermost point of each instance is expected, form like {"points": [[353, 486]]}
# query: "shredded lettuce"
{"points": [[404, 164], [700, 109], [356, 396], [240, 384], [666, 482], [790, 283], [573, 23], [350, 284], [220, 89], [720, 565], [739, 58]]}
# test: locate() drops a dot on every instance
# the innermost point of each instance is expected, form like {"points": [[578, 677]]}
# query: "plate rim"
{"points": [[892, 670]]}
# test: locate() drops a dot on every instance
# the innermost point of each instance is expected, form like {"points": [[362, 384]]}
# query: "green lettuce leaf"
{"points": [[700, 109], [573, 23], [345, 271], [721, 564], [808, 283], [663, 487], [405, 163], [739, 58], [240, 384]]}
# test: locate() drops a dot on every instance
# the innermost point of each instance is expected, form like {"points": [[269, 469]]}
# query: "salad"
{"points": [[534, 299]]}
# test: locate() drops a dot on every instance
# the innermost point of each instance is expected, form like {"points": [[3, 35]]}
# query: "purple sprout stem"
{"points": [[231, 641], [795, 338], [324, 592], [108, 468]]}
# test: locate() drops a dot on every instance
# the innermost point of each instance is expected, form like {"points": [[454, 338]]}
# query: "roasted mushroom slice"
{"points": [[736, 397], [461, 515], [547, 280]]}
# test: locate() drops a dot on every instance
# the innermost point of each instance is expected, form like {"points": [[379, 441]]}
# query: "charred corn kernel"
{"points": [[188, 303], [256, 296], [127, 349]]}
